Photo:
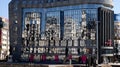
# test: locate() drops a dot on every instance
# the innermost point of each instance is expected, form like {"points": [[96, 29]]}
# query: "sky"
{"points": [[4, 7]]}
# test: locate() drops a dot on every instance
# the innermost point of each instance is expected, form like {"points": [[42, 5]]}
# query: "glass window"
{"points": [[41, 1], [35, 2], [31, 29], [53, 25], [29, 2], [50, 1], [24, 2], [107, 51], [67, 18], [117, 17]]}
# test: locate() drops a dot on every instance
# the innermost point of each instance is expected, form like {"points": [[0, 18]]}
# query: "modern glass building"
{"points": [[55, 29]]}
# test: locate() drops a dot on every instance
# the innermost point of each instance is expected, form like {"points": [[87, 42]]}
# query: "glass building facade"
{"points": [[59, 24], [61, 30]]}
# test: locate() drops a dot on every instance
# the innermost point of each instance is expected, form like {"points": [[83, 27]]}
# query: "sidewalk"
{"points": [[106, 65]]}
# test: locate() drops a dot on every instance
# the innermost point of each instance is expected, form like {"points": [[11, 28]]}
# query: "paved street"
{"points": [[39, 65], [4, 64]]}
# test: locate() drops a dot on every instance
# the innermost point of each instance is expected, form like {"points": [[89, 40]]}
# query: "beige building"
{"points": [[4, 39]]}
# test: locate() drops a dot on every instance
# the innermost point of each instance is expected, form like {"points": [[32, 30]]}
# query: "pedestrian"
{"points": [[79, 59], [65, 59], [94, 63], [89, 60], [83, 58], [31, 58], [56, 58], [87, 63], [43, 57]]}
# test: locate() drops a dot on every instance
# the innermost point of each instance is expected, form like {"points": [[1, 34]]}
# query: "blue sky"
{"points": [[4, 7], [116, 6]]}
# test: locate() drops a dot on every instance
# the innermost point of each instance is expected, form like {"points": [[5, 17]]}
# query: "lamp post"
{"points": [[97, 42]]}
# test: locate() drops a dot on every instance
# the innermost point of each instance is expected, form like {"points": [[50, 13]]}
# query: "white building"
{"points": [[117, 31], [4, 37]]}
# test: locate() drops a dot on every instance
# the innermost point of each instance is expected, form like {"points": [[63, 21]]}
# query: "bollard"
{"points": [[70, 61]]}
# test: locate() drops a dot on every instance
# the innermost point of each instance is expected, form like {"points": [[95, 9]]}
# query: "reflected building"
{"points": [[69, 29], [47, 27]]}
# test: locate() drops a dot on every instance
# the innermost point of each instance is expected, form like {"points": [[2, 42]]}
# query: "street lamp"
{"points": [[97, 22]]}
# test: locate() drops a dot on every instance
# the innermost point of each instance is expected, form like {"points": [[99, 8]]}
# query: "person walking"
{"points": [[31, 58], [83, 58], [94, 62], [79, 60], [87, 62]]}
